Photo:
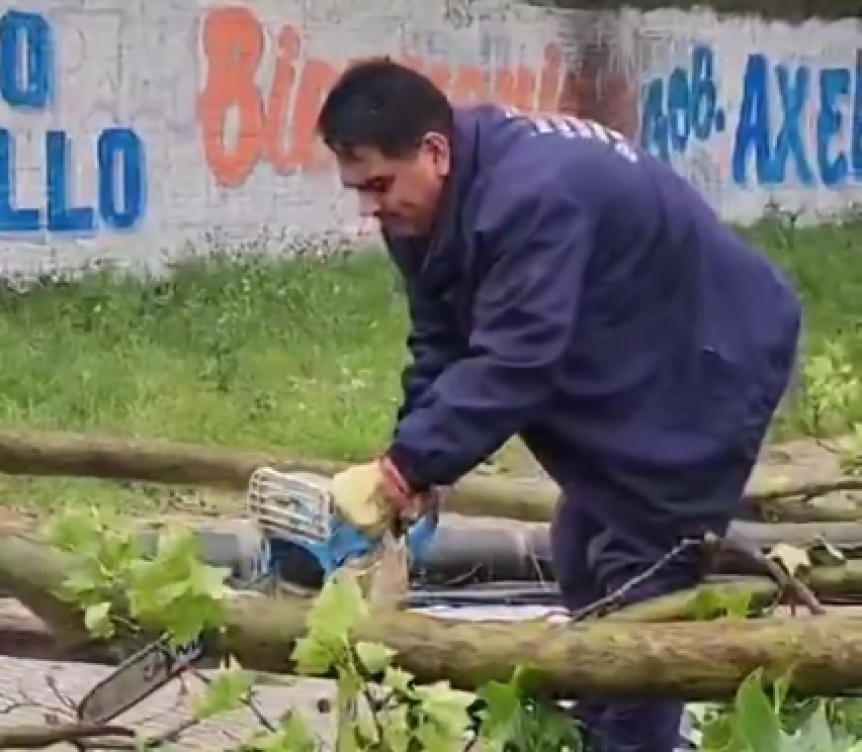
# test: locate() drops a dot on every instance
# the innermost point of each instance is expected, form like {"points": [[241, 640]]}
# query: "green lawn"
{"points": [[299, 354]]}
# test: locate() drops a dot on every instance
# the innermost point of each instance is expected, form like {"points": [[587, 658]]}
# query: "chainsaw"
{"points": [[297, 524], [296, 515]]}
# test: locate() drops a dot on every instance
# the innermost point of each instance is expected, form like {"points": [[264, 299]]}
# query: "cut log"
{"points": [[700, 660], [114, 458], [487, 550], [67, 454], [846, 536]]}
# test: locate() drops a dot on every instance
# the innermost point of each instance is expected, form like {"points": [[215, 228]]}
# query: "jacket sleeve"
{"points": [[433, 344], [524, 317]]}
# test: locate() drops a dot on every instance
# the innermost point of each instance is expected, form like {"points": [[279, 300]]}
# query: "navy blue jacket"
{"points": [[578, 292]]}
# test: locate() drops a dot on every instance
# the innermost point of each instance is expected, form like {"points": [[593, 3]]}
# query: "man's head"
{"points": [[390, 129]]}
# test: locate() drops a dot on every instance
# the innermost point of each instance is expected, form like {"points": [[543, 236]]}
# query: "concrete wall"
{"points": [[137, 127]]}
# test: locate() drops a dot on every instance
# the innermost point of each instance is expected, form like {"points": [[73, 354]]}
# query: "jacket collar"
{"points": [[443, 250]]}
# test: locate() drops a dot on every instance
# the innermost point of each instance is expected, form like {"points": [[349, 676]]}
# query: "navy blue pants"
{"points": [[593, 558], [591, 561]]}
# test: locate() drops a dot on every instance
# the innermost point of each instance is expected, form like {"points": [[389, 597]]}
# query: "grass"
{"points": [[303, 354]]}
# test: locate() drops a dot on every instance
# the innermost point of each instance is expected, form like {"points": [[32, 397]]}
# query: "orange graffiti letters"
{"points": [[278, 126], [233, 47]]}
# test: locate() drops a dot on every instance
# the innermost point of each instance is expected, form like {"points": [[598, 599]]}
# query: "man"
{"points": [[566, 287]]}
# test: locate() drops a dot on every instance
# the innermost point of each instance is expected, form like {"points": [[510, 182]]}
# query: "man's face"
{"points": [[402, 194]]}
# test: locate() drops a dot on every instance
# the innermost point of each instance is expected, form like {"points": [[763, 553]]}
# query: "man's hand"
{"points": [[373, 496]]}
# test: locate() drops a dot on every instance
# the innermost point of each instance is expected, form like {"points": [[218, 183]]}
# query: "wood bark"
{"points": [[698, 660], [833, 585], [844, 536], [66, 454]]}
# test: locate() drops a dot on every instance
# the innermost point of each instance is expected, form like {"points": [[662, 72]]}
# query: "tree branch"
{"points": [[598, 658], [39, 737], [45, 453]]}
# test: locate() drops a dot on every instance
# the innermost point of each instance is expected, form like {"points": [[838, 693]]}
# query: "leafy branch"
{"points": [[379, 707]]}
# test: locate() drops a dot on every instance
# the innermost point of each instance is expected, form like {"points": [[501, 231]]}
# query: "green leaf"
{"points": [[209, 581], [718, 730], [397, 733], [97, 619], [399, 681], [312, 657], [737, 605], [447, 707], [373, 656], [815, 734], [225, 693], [337, 609], [707, 604], [175, 591], [433, 738], [502, 703], [781, 690], [348, 684], [293, 736], [757, 724], [74, 530]]}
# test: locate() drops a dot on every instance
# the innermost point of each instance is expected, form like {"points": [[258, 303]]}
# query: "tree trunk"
{"points": [[114, 458], [698, 660], [65, 454]]}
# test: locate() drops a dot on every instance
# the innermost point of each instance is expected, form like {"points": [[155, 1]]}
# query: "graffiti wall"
{"points": [[73, 167], [758, 115], [134, 131]]}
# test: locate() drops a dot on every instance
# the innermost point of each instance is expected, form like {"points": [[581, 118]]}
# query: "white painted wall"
{"points": [[140, 65]]}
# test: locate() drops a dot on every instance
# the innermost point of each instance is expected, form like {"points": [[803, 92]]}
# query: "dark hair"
{"points": [[381, 104]]}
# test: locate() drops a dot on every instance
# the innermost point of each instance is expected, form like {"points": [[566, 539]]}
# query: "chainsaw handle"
{"points": [[420, 533]]}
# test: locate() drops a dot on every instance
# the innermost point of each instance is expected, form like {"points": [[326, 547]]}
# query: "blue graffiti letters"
{"points": [[856, 131], [835, 83], [686, 108], [26, 60], [755, 127], [27, 83], [837, 153], [61, 216], [793, 91], [793, 123], [121, 198], [11, 217], [121, 177]]}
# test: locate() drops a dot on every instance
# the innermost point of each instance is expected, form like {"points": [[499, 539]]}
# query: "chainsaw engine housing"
{"points": [[308, 540]]}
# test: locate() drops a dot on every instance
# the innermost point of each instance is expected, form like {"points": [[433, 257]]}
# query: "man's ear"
{"points": [[441, 152]]}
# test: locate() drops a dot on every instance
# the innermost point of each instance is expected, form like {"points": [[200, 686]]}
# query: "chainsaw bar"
{"points": [[136, 678]]}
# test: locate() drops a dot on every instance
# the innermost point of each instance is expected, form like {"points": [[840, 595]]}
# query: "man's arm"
{"points": [[433, 341], [525, 313], [433, 344]]}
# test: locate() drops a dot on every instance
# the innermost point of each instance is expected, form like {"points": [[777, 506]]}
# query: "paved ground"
{"points": [[33, 683]]}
